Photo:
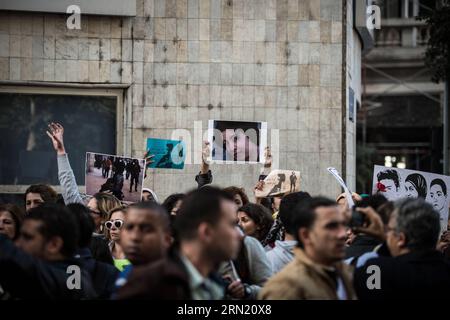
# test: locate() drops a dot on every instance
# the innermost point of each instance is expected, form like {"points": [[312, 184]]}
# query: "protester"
{"points": [[316, 271], [204, 177], [381, 219], [341, 199], [103, 275], [363, 243], [113, 225], [100, 204], [207, 236], [246, 274], [38, 194], [145, 236], [416, 269], [149, 195], [40, 265], [283, 251], [173, 203], [256, 221], [238, 194], [11, 217]]}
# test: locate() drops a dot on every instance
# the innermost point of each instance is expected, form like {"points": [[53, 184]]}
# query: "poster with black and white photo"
{"points": [[237, 141], [395, 183], [279, 182]]}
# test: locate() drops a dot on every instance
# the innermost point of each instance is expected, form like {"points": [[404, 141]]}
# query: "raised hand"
{"points": [[259, 185], [205, 155], [205, 152], [268, 156], [56, 133], [374, 226], [148, 161], [148, 158]]}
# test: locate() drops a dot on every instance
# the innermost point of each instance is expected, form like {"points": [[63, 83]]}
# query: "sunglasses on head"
{"points": [[114, 223]]}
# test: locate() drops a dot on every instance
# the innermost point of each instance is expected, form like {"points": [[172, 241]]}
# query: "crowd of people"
{"points": [[213, 243]]}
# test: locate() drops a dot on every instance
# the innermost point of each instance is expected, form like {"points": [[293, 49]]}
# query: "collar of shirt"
{"points": [[201, 288]]}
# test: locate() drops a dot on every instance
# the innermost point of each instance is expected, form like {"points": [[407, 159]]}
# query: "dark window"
{"points": [[27, 155]]}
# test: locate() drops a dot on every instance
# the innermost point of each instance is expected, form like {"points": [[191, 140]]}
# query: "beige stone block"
{"points": [[26, 46], [204, 8], [4, 68], [14, 68], [49, 70], [281, 31], [193, 8], [14, 46], [314, 31], [325, 31], [271, 9], [60, 70], [203, 29], [226, 29]]}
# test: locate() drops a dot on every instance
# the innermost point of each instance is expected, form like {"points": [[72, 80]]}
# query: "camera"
{"points": [[357, 220]]}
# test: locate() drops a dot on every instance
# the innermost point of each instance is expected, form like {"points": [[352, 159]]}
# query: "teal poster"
{"points": [[168, 154]]}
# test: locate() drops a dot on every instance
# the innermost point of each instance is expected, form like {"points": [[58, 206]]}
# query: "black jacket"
{"points": [[164, 279], [204, 179], [361, 244], [416, 275], [103, 275], [100, 250], [27, 277]]}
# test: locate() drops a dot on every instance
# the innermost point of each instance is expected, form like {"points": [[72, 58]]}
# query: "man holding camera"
{"points": [[416, 269]]}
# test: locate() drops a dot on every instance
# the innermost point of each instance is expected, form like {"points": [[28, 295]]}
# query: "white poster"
{"points": [[396, 183], [348, 194]]}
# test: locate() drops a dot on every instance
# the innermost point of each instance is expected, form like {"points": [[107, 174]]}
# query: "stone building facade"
{"points": [[287, 62]]}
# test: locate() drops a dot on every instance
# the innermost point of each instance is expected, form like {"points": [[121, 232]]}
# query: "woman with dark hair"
{"points": [[238, 194], [11, 217], [37, 194], [416, 186], [256, 221], [173, 203]]}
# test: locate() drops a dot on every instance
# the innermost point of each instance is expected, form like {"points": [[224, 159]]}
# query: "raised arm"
{"points": [[205, 176], [69, 187]]}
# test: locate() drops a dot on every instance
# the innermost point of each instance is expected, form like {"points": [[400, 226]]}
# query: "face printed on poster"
{"points": [[280, 182], [396, 183], [120, 176], [237, 141], [168, 154]]}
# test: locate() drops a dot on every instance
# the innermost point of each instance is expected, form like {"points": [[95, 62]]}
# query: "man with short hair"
{"points": [[42, 262], [416, 269], [145, 236], [206, 232], [317, 271]]}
